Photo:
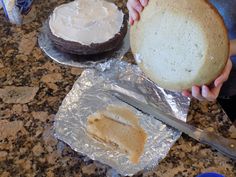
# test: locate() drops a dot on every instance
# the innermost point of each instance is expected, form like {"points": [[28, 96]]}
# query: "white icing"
{"points": [[86, 21]]}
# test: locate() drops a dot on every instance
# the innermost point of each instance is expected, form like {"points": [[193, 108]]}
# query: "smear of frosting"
{"points": [[86, 21]]}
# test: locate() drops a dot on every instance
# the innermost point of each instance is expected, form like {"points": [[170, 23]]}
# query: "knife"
{"points": [[221, 144]]}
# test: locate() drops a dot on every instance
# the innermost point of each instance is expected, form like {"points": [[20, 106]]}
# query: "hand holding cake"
{"points": [[222, 84]]}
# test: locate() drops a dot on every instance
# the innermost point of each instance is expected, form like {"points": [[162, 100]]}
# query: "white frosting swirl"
{"points": [[86, 21]]}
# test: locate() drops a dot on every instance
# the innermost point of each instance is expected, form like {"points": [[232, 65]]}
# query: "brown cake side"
{"points": [[94, 48]]}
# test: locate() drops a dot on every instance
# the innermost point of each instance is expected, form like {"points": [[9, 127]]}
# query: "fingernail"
{"points": [[204, 87], [139, 8], [216, 83], [143, 2], [204, 90]]}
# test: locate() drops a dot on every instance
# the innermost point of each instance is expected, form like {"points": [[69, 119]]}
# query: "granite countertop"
{"points": [[32, 88]]}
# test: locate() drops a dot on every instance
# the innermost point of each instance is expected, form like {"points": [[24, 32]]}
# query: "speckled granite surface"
{"points": [[32, 88]]}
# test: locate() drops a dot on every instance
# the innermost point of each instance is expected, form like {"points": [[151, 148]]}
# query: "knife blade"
{"points": [[224, 145]]}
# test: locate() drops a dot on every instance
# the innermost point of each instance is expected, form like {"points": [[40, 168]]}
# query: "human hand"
{"points": [[210, 94], [135, 7]]}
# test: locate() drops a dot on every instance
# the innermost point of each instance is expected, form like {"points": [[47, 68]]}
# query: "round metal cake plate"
{"points": [[89, 61]]}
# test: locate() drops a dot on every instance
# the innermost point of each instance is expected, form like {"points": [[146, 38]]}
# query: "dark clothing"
{"points": [[227, 9], [229, 87], [229, 107]]}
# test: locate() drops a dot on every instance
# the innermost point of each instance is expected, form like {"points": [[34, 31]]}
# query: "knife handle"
{"points": [[223, 145]]}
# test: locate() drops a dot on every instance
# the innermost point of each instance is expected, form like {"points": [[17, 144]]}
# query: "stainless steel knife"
{"points": [[223, 145]]}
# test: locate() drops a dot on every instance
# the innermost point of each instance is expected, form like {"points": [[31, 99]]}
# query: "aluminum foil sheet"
{"points": [[89, 94], [89, 61]]}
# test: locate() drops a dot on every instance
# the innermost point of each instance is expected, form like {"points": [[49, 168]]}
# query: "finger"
{"points": [[131, 21], [186, 93], [196, 93], [144, 2], [132, 12], [206, 93], [135, 4], [215, 91], [225, 74], [211, 95]]}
